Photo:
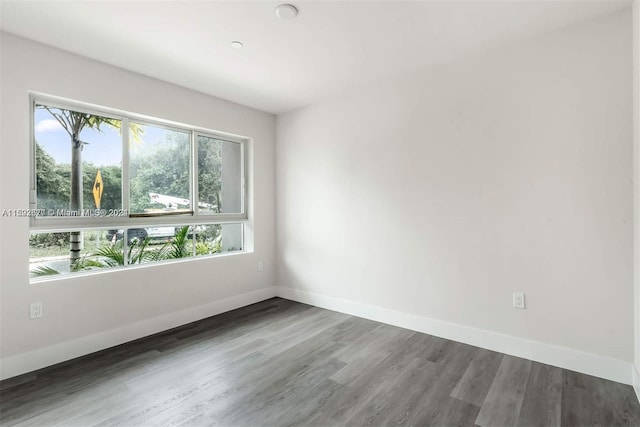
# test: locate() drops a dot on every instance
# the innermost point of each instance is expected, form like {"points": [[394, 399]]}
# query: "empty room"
{"points": [[322, 213]]}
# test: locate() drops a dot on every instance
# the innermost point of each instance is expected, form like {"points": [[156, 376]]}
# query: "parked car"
{"points": [[138, 234]]}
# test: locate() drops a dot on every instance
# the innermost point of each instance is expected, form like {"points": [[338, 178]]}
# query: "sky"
{"points": [[104, 148]]}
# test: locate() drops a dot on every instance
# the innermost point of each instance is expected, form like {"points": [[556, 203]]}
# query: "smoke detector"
{"points": [[286, 11]]}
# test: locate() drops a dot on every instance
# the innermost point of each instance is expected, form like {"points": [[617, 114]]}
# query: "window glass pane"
{"points": [[71, 147], [153, 244], [50, 253], [232, 237], [219, 176], [208, 239], [217, 238], [159, 171]]}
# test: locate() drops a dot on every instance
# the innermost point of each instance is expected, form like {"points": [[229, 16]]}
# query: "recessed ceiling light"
{"points": [[237, 45], [286, 11]]}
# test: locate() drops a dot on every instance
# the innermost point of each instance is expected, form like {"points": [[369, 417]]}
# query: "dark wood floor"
{"points": [[281, 363]]}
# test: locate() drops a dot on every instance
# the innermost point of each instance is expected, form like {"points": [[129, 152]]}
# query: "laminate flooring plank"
{"points": [[75, 387], [294, 416], [10, 383], [280, 363], [293, 334], [271, 377], [581, 407], [368, 351], [542, 398], [626, 409], [319, 419], [256, 324], [58, 411], [410, 400], [347, 331], [177, 369], [432, 402], [287, 402], [385, 396], [247, 400], [506, 394], [69, 379], [212, 343], [408, 371], [416, 390], [454, 357], [451, 412], [367, 392], [229, 326], [421, 393], [587, 400], [164, 401], [90, 411], [478, 377]]}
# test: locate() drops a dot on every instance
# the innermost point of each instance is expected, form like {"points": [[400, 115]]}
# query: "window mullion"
{"points": [[126, 142], [125, 164], [193, 170], [243, 179]]}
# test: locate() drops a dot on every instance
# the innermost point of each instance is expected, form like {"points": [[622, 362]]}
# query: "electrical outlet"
{"points": [[35, 310], [518, 300], [260, 266]]}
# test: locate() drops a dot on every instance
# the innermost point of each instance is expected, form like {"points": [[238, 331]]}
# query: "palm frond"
{"points": [[43, 270], [112, 256], [177, 247]]}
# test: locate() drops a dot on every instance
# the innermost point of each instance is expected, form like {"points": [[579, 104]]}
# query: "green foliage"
{"points": [[113, 255], [42, 240], [86, 263], [110, 255], [73, 122], [210, 171], [163, 169], [54, 183], [112, 184], [178, 246], [140, 252], [208, 247], [44, 270]]}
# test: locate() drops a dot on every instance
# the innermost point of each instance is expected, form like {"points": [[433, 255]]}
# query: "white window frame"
{"points": [[44, 223], [62, 224]]}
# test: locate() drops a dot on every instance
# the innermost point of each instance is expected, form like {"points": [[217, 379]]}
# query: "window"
{"points": [[113, 189]]}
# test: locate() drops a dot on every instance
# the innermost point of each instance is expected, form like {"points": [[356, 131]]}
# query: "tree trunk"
{"points": [[75, 204]]}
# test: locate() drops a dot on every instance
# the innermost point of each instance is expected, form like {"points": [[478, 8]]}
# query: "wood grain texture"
{"points": [[506, 394], [281, 363]]}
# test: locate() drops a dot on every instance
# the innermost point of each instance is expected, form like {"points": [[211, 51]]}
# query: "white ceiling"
{"points": [[332, 47]]}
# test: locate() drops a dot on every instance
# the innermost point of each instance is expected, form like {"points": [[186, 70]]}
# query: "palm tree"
{"points": [[74, 122]]}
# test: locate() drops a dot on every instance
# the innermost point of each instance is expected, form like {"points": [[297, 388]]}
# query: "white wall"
{"points": [[84, 314], [430, 200], [636, 157]]}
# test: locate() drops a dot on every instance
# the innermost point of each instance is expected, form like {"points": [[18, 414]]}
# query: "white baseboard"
{"points": [[37, 359], [575, 360], [636, 380]]}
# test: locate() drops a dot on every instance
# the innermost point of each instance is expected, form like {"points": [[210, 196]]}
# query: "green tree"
{"points": [[210, 172], [74, 122], [163, 170], [112, 184], [53, 190]]}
